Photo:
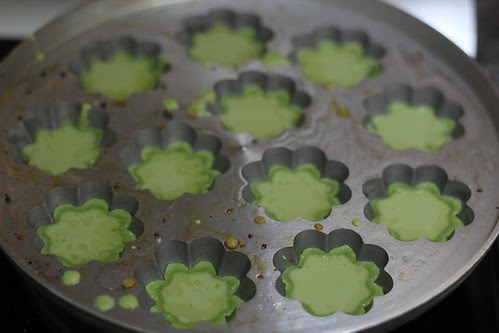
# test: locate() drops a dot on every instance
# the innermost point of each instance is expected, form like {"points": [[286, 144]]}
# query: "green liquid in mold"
{"points": [[128, 302], [170, 104], [416, 212], [104, 303], [88, 232], [189, 296], [73, 145], [334, 281], [330, 63], [226, 46], [356, 222], [275, 59], [170, 172], [71, 278], [122, 75], [262, 114], [404, 126], [288, 194], [199, 107]]}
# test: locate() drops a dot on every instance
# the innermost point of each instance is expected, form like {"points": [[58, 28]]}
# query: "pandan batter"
{"points": [[263, 114], [122, 75], [416, 212], [189, 296], [73, 145], [404, 126], [334, 281], [345, 65], [170, 172], [199, 107], [288, 193], [226, 46], [275, 59], [88, 232]]}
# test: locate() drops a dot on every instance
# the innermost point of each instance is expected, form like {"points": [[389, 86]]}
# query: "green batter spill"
{"points": [[288, 193], [73, 145], [88, 232], [122, 74], [226, 46], [71, 278], [170, 172], [275, 59], [189, 296], [262, 114], [199, 107], [334, 281], [330, 63], [128, 302], [404, 126], [416, 212], [104, 303]]}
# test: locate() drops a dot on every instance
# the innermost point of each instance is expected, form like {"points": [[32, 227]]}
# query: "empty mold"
{"points": [[355, 56], [330, 172], [271, 105], [119, 67], [204, 249], [73, 198], [230, 50], [201, 146], [312, 239], [53, 118], [431, 97], [455, 195]]}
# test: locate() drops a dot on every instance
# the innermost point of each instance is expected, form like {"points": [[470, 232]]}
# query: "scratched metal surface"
{"points": [[422, 271]]}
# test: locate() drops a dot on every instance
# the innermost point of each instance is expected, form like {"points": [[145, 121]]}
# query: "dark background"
{"points": [[472, 307]]}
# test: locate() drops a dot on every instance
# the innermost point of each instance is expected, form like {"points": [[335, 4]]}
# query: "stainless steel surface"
{"points": [[422, 271]]}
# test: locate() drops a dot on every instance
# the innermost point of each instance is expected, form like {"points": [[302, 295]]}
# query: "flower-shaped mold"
{"points": [[449, 194], [200, 146], [233, 53], [284, 110], [205, 249], [312, 239], [355, 56], [82, 239], [411, 135], [89, 126], [330, 175], [119, 67]]}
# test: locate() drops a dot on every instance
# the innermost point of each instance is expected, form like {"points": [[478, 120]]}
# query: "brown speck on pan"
{"points": [[479, 190], [7, 198], [190, 114], [43, 74], [264, 246], [164, 86], [340, 110], [129, 282], [231, 243], [120, 103], [161, 126], [28, 91], [30, 262], [250, 235], [63, 74], [229, 210], [156, 234], [259, 276], [167, 114], [20, 237], [259, 220], [103, 105], [117, 185], [318, 226], [242, 245], [19, 118], [254, 141]]}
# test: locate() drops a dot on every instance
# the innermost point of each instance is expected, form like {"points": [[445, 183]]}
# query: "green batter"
{"points": [[128, 302], [73, 145], [404, 126], [334, 281], [189, 296], [416, 212], [88, 232], [226, 46], [170, 172], [288, 193], [199, 107], [275, 59], [104, 303], [122, 75], [71, 278], [330, 63], [262, 114]]}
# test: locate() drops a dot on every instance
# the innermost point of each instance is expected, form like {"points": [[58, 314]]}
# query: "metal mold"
{"points": [[289, 256], [331, 169]]}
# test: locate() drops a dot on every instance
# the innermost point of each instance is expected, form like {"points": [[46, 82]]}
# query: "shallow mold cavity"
{"points": [[417, 203], [81, 224], [301, 183], [59, 137], [206, 259], [332, 56], [406, 117], [313, 271], [173, 161], [260, 104], [119, 67], [224, 37]]}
